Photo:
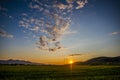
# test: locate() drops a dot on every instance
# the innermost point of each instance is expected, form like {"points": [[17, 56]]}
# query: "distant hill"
{"points": [[18, 62], [102, 61]]}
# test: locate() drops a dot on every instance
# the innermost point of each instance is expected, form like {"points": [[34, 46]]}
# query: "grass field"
{"points": [[22, 72]]}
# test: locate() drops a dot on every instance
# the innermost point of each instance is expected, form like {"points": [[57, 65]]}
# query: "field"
{"points": [[25, 72]]}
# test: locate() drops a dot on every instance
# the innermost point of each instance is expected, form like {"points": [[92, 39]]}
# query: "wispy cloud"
{"points": [[3, 33], [114, 33], [24, 14], [70, 32]]}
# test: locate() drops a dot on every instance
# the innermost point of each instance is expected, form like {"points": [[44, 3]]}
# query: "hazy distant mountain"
{"points": [[18, 62], [102, 61]]}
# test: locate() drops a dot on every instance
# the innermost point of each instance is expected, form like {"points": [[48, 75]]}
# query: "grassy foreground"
{"points": [[21, 72]]}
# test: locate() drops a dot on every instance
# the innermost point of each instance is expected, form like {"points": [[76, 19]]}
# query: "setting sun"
{"points": [[70, 62]]}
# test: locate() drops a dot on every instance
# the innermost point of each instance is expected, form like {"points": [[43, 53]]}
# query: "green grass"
{"points": [[21, 72]]}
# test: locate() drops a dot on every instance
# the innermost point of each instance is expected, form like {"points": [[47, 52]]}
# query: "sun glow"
{"points": [[70, 62]]}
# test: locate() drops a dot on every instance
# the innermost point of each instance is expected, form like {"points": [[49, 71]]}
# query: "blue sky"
{"points": [[93, 29]]}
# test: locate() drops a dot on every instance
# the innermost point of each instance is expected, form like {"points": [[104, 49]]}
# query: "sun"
{"points": [[70, 62]]}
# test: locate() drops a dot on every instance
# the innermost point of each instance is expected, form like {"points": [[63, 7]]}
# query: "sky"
{"points": [[50, 31]]}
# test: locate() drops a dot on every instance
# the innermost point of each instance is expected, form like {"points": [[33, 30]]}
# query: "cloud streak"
{"points": [[115, 33], [75, 54], [3, 33]]}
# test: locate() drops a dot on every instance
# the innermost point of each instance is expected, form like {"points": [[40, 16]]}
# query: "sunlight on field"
{"points": [[52, 72]]}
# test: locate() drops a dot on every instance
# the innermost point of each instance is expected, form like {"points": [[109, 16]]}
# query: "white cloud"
{"points": [[61, 6], [36, 6], [70, 1], [70, 6], [36, 28], [81, 3], [30, 24], [54, 25]]}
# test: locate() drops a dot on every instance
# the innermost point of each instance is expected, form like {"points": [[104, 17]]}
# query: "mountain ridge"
{"points": [[102, 61], [18, 62]]}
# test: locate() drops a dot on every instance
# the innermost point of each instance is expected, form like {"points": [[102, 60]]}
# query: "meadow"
{"points": [[55, 72]]}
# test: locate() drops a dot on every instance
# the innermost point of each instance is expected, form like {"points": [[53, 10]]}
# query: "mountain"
{"points": [[18, 62], [102, 61]]}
